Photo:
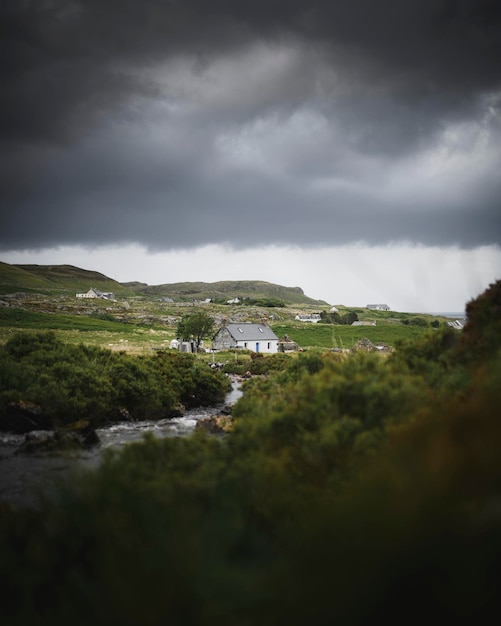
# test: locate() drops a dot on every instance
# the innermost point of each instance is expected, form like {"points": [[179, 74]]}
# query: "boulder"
{"points": [[77, 436], [215, 424], [22, 417], [383, 347], [178, 411], [365, 345], [124, 414]]}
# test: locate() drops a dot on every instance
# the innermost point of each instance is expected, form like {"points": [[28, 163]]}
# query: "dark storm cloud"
{"points": [[178, 123]]}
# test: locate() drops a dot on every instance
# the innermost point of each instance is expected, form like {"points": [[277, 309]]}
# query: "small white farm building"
{"points": [[247, 336], [95, 293], [311, 317]]}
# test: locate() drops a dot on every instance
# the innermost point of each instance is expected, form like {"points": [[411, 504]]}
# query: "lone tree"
{"points": [[195, 327]]}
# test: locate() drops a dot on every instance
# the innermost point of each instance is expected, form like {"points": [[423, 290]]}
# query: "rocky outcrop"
{"points": [[366, 345], [383, 347], [22, 417], [215, 424], [286, 344], [178, 410]]}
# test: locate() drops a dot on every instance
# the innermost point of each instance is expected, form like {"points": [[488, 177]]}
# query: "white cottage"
{"points": [[95, 293], [247, 336]]}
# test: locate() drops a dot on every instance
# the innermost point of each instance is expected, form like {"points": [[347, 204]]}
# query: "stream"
{"points": [[22, 476]]}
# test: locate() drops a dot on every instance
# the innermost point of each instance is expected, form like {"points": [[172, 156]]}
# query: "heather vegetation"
{"points": [[352, 489], [333, 317], [73, 382]]}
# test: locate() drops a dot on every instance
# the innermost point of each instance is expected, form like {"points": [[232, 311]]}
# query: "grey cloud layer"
{"points": [[179, 123]]}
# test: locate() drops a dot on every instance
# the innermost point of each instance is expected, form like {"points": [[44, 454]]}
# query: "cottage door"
{"points": [[257, 346]]}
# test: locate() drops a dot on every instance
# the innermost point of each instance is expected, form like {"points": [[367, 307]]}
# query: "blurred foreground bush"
{"points": [[351, 490]]}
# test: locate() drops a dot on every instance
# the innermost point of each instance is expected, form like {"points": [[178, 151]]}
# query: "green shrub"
{"points": [[77, 382], [481, 337]]}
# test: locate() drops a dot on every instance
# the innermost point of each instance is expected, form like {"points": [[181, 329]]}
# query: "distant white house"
{"points": [[246, 336], [333, 310], [233, 301], [313, 318], [95, 293], [358, 323], [378, 307], [456, 324]]}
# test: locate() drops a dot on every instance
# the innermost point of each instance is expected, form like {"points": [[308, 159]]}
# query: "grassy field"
{"points": [[337, 336], [137, 336], [87, 329], [20, 318], [43, 297], [143, 324]]}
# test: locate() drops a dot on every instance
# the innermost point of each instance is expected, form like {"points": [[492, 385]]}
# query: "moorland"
{"points": [[353, 487], [141, 318]]}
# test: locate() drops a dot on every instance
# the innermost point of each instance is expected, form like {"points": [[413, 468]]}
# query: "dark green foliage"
{"points": [[348, 318], [81, 382], [417, 321], [196, 326], [323, 412], [481, 337], [335, 318], [103, 315], [269, 527], [431, 356], [257, 364], [263, 302], [353, 489]]}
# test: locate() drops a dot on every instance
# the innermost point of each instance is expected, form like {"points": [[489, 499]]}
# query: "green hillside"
{"points": [[67, 278], [14, 278], [49, 278], [228, 289]]}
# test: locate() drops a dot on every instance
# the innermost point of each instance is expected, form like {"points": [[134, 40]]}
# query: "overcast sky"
{"points": [[352, 148]]}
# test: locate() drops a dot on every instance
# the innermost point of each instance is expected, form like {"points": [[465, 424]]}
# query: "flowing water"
{"points": [[22, 476]]}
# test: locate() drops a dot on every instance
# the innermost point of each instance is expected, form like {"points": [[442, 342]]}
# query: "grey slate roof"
{"points": [[251, 332]]}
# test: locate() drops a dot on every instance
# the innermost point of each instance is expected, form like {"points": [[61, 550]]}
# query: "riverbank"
{"points": [[24, 478]]}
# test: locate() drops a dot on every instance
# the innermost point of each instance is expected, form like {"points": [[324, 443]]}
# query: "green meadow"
{"points": [[87, 329], [101, 328], [338, 336]]}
